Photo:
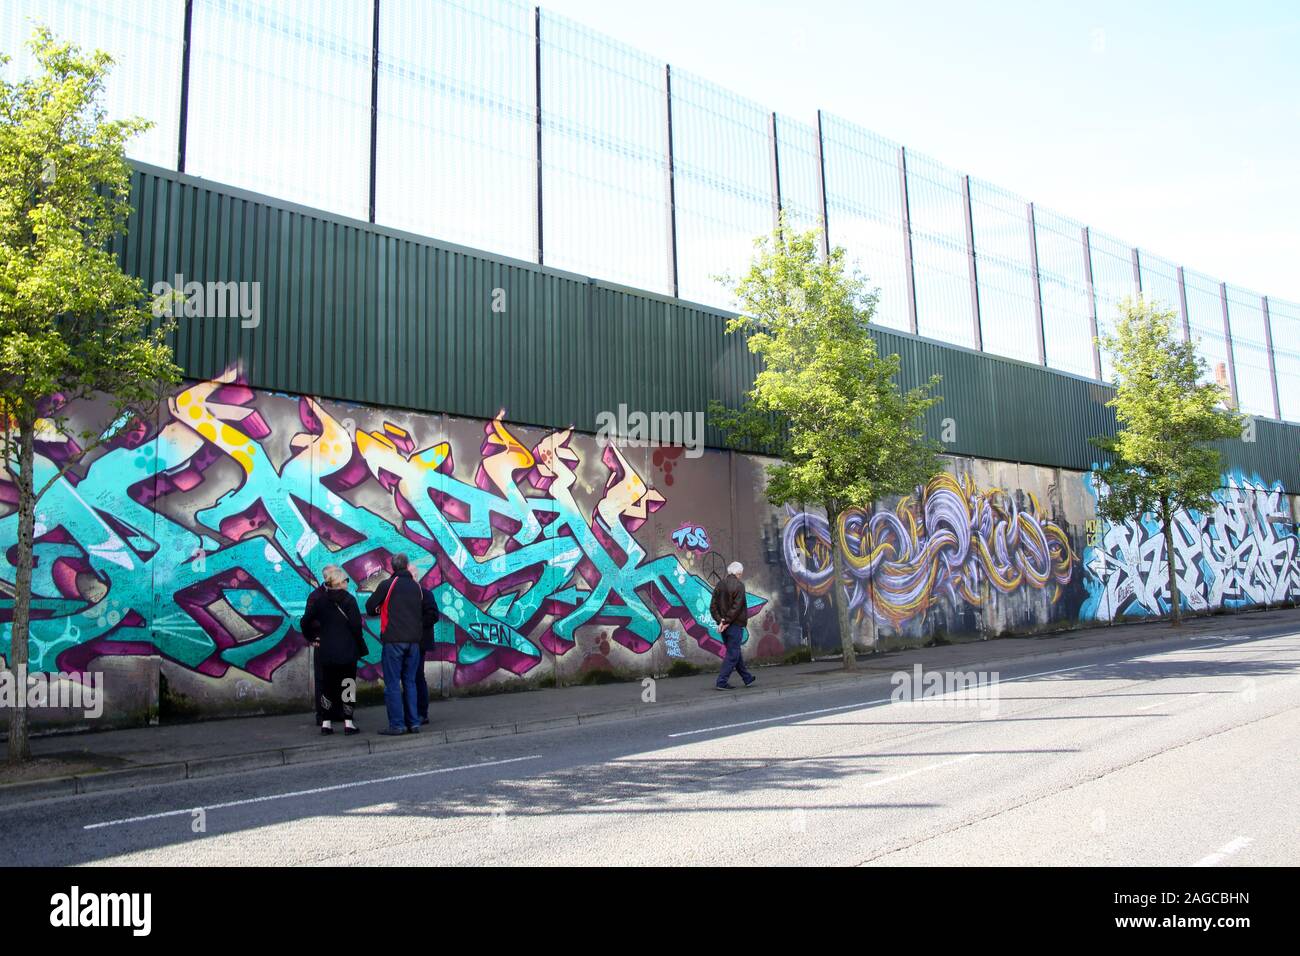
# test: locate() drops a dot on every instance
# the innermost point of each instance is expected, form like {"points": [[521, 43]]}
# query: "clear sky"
{"points": [[1174, 126]]}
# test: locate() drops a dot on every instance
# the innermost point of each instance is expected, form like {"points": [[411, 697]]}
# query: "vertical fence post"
{"points": [[1227, 338], [185, 85], [537, 119], [1040, 330], [1137, 270], [821, 187], [374, 107], [1092, 302], [776, 172], [1272, 364], [1182, 304], [907, 241], [672, 183], [977, 325]]}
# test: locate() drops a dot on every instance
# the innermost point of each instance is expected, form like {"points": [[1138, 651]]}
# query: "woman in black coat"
{"points": [[332, 623]]}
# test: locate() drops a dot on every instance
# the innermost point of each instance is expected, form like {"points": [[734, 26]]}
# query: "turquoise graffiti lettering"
{"points": [[185, 538]]}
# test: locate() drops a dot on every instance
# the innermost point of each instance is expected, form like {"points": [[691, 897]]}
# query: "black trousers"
{"points": [[332, 689]]}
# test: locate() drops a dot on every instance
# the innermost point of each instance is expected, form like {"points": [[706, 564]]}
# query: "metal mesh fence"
{"points": [[1205, 319], [604, 157], [1284, 317], [1160, 286], [456, 138], [1250, 352], [799, 167], [1067, 298], [723, 175], [1113, 281], [143, 38], [936, 211], [1005, 273], [279, 99], [865, 212]]}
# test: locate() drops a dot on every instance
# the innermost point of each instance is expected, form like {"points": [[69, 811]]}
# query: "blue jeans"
{"points": [[733, 660], [400, 662], [421, 688]]}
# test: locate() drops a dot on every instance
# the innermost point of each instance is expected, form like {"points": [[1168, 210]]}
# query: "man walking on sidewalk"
{"points": [[730, 608], [405, 611]]}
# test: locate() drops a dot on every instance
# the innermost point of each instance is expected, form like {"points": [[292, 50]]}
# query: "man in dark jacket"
{"points": [[310, 637], [405, 612], [332, 623], [421, 685], [730, 609]]}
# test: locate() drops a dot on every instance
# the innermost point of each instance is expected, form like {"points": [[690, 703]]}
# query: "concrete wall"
{"points": [[176, 560]]}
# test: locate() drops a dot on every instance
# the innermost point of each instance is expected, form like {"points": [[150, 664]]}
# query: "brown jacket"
{"points": [[729, 602]]}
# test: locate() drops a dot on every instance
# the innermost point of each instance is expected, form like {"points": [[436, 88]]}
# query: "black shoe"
{"points": [[327, 730], [390, 732], [423, 721], [413, 730], [349, 731], [723, 687], [750, 681]]}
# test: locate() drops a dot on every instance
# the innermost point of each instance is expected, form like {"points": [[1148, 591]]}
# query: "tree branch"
{"points": [[105, 435]]}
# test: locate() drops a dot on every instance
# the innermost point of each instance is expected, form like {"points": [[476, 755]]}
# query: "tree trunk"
{"points": [[837, 593], [19, 749], [1171, 566]]}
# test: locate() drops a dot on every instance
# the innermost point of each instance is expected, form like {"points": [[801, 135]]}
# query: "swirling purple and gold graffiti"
{"points": [[946, 541]]}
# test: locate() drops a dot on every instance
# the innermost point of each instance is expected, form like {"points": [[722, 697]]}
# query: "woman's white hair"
{"points": [[735, 567], [333, 577]]}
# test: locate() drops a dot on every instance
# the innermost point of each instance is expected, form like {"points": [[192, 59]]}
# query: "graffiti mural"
{"points": [[943, 543], [691, 537], [1243, 553], [199, 537]]}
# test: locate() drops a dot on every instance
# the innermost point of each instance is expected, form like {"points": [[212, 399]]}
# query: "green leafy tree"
{"points": [[73, 326], [825, 401], [1160, 459]]}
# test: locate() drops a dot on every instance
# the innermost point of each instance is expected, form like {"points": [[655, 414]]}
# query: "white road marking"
{"points": [[768, 720], [860, 705], [306, 793], [1161, 703], [1225, 851], [912, 773]]}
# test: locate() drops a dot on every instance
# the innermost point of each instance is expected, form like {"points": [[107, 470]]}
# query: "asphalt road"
{"points": [[1178, 753]]}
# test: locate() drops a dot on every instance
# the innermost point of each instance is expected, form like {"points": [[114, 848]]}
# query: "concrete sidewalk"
{"points": [[148, 755]]}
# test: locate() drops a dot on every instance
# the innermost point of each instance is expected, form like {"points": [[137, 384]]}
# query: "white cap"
{"points": [[735, 567]]}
